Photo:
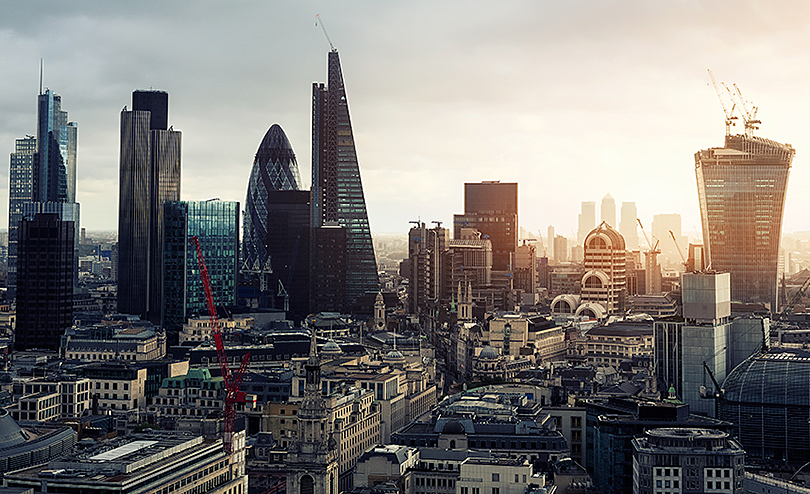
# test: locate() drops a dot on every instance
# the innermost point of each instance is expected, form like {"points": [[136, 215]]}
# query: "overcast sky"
{"points": [[572, 99]]}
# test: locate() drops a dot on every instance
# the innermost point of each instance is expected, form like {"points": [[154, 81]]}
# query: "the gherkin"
{"points": [[274, 169]]}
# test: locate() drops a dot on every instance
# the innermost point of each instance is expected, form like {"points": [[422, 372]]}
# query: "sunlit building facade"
{"points": [[741, 188], [605, 279]]}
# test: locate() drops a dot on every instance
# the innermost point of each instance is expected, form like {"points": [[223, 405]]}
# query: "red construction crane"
{"points": [[232, 380]]}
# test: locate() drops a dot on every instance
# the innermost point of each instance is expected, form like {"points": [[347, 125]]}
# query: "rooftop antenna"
{"points": [[41, 65], [318, 21]]}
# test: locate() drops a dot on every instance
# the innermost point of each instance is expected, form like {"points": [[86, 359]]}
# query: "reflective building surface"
{"points": [[43, 169], [741, 188], [274, 168], [337, 191], [149, 175], [216, 224], [767, 397]]}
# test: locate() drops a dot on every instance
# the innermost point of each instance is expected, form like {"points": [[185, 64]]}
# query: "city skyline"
{"points": [[628, 103]]}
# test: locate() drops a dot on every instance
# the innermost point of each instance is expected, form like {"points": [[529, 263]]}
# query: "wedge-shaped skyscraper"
{"points": [[741, 188], [337, 191]]}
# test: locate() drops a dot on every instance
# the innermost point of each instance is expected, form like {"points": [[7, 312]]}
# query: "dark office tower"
{"points": [[149, 175], [742, 188], [491, 208], [337, 191], [216, 224], [45, 282], [274, 169], [288, 244], [328, 269]]}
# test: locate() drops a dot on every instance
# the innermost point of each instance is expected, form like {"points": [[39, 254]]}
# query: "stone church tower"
{"points": [[312, 461], [379, 313]]}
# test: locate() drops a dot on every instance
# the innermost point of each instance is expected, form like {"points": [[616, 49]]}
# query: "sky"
{"points": [[571, 99]]}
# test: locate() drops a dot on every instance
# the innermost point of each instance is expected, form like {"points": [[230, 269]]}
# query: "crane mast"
{"points": [[728, 113], [232, 380]]}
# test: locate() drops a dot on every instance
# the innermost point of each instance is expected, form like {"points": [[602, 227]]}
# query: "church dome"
{"points": [[331, 347], [453, 427], [488, 353], [394, 355]]}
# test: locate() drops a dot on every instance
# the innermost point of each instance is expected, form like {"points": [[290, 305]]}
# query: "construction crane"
{"points": [[319, 21], [729, 113], [680, 252], [749, 117], [795, 299], [232, 379], [653, 249]]}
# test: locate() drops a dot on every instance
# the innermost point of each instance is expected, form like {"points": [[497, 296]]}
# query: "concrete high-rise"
{"points": [[43, 170], [628, 225], [216, 224], [605, 279], [587, 220], [149, 175], [741, 188], [337, 191], [491, 208], [45, 284], [609, 210]]}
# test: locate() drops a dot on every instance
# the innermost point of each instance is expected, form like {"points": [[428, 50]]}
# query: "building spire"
{"points": [[313, 344]]}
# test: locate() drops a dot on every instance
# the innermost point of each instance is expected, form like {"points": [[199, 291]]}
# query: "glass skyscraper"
{"points": [[149, 176], [216, 224], [337, 191], [742, 189], [43, 170], [274, 168]]}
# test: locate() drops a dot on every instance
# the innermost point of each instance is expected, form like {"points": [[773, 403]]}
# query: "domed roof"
{"points": [[604, 231], [394, 355], [331, 346], [10, 433], [453, 427], [488, 353], [780, 377]]}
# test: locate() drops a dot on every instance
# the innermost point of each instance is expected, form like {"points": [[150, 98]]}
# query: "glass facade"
{"points": [[274, 168], [149, 176], [21, 190], [767, 397], [741, 188], [43, 169], [337, 190], [216, 224]]}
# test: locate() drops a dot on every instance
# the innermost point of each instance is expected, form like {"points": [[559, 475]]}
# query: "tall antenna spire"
{"points": [[318, 21], [41, 67]]}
